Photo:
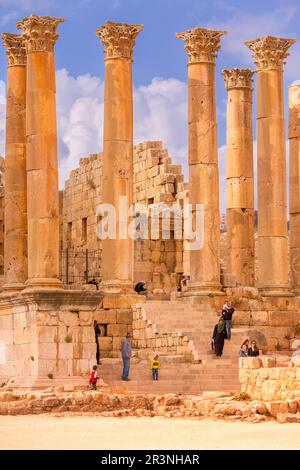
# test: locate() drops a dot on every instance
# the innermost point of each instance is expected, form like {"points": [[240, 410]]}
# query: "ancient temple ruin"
{"points": [[60, 276]]}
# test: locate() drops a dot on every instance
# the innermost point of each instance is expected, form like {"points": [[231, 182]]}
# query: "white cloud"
{"points": [[79, 118], [160, 113], [244, 26]]}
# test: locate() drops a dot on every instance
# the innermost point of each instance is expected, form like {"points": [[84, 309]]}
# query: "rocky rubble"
{"points": [[104, 402]]}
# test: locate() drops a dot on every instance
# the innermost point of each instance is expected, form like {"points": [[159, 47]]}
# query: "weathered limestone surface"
{"points": [[2, 177], [156, 180], [201, 46], [52, 333], [294, 141], [265, 379], [39, 33], [15, 260], [117, 255], [273, 260], [240, 182]]}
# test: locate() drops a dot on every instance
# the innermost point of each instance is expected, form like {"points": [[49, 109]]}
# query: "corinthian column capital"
{"points": [[118, 39], [15, 49], [201, 44], [269, 51], [39, 32], [238, 78]]}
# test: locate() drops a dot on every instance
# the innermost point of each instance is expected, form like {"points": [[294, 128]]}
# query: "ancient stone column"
{"points": [[294, 140], [40, 35], [201, 46], [273, 259], [240, 183], [117, 254], [15, 227]]}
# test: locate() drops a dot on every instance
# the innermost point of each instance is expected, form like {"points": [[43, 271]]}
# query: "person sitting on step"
{"points": [[140, 288], [253, 350]]}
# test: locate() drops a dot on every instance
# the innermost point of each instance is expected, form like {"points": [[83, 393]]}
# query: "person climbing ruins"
{"points": [[140, 288], [227, 313], [219, 335], [126, 351]]}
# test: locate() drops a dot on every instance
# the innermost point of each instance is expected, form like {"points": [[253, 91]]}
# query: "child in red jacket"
{"points": [[94, 377]]}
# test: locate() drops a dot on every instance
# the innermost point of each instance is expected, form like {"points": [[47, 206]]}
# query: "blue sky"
{"points": [[160, 71]]}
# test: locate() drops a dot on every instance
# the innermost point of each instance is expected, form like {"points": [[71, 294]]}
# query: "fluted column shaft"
{"points": [[240, 183], [117, 254], [15, 227], [42, 164], [201, 46], [273, 258], [294, 141]]}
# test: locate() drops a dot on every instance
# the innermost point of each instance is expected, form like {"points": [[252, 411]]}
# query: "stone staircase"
{"points": [[200, 370]]}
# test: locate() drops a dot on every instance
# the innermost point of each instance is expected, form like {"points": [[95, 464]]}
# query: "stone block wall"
{"points": [[147, 341], [273, 321], [269, 378], [51, 334], [158, 261], [81, 249], [156, 181], [18, 340]]}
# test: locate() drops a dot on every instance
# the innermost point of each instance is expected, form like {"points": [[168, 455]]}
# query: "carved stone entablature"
{"points": [[270, 52], [39, 32], [238, 78], [15, 49], [118, 38], [201, 44]]}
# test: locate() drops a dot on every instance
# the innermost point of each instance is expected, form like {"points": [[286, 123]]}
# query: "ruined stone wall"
{"points": [[81, 249], [156, 181], [52, 334], [268, 377]]}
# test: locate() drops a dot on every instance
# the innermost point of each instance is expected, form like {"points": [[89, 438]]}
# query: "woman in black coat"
{"points": [[219, 335]]}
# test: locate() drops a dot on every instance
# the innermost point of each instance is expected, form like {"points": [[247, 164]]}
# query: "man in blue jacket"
{"points": [[126, 356]]}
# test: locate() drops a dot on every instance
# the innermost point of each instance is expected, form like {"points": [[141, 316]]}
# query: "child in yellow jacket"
{"points": [[155, 366]]}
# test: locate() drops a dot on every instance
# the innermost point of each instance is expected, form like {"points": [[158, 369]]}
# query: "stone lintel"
{"points": [[201, 44], [15, 49], [238, 78], [50, 299], [270, 51], [118, 39], [39, 33]]}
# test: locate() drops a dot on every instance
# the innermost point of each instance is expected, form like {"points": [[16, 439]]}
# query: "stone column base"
{"points": [[117, 287], [276, 291], [12, 288], [43, 283], [203, 290]]}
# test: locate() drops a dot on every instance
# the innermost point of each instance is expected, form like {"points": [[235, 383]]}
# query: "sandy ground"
{"points": [[92, 432]]}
